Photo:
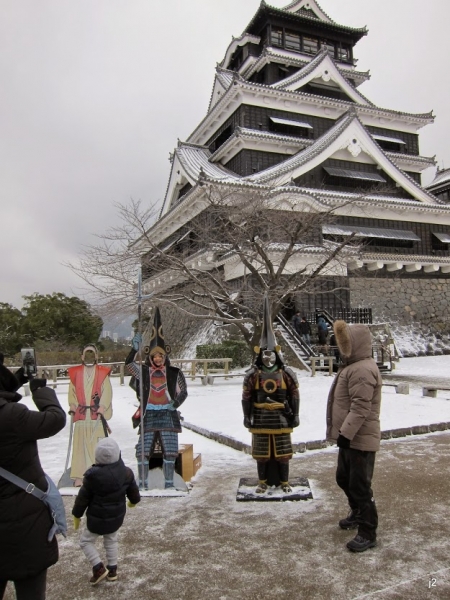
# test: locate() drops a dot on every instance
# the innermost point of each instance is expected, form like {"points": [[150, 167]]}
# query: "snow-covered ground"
{"points": [[217, 408]]}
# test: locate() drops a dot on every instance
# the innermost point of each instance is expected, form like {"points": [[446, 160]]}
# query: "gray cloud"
{"points": [[96, 93]]}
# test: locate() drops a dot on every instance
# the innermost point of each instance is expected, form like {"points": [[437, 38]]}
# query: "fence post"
{"points": [[55, 377], [313, 366], [122, 373]]}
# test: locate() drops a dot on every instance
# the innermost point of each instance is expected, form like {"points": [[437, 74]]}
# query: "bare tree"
{"points": [[218, 265]]}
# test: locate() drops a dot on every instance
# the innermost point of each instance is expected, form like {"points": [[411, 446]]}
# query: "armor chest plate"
{"points": [[271, 386]]}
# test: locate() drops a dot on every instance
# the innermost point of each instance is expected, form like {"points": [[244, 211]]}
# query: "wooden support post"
{"points": [[313, 366], [122, 373], [55, 377], [402, 388], [431, 392], [330, 365]]}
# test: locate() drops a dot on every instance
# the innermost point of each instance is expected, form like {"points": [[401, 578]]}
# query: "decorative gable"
{"points": [[222, 82], [309, 8], [347, 141], [322, 71]]}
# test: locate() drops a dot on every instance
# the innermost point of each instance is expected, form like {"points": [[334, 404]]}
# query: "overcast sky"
{"points": [[95, 94]]}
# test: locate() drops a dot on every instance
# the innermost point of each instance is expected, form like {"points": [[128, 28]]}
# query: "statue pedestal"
{"points": [[300, 491]]}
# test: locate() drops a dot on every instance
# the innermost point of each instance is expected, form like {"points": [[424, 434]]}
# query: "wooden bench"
{"points": [[209, 379], [400, 388], [197, 365], [318, 359], [432, 390]]}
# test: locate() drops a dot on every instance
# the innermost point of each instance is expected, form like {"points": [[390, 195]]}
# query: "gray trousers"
{"points": [[110, 543]]}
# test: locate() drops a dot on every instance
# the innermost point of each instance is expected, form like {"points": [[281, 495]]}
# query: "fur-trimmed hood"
{"points": [[354, 341]]}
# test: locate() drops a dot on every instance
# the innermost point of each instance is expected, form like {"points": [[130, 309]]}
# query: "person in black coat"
{"points": [[102, 496], [25, 553]]}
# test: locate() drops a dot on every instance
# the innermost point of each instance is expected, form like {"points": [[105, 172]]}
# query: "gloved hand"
{"points": [[76, 523], [295, 421], [130, 504], [136, 341], [343, 442], [36, 383], [247, 422], [20, 376]]}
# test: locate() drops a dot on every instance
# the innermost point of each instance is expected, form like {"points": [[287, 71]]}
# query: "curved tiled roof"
{"points": [[195, 160], [342, 104], [297, 4], [321, 144], [405, 258], [320, 57], [306, 155], [224, 77], [441, 177], [240, 41], [302, 16], [293, 59]]}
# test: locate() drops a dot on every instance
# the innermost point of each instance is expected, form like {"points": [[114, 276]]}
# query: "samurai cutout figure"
{"points": [[90, 405], [270, 402], [164, 390]]}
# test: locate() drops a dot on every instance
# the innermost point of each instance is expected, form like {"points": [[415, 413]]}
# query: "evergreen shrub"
{"points": [[237, 350]]}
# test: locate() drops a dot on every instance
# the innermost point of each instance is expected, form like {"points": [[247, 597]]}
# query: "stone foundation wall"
{"points": [[418, 310]]}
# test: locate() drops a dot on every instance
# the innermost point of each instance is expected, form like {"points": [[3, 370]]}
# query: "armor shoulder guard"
{"points": [[291, 374], [249, 373]]}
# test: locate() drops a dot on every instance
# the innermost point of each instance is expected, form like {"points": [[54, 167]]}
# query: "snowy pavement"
{"points": [[208, 546]]}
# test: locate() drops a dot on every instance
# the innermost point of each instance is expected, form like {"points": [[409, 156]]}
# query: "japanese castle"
{"points": [[286, 112]]}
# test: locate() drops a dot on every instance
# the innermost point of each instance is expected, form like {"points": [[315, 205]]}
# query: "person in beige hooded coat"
{"points": [[353, 422]]}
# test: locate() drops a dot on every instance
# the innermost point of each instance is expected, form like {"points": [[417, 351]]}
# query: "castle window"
{"points": [[290, 127], [350, 174], [309, 45], [221, 138], [331, 47], [439, 240], [371, 232], [392, 144], [184, 190], [276, 37], [371, 236], [293, 41], [345, 53]]}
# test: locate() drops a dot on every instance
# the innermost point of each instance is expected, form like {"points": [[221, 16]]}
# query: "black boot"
{"points": [[283, 470], [262, 476], [360, 544], [350, 521]]}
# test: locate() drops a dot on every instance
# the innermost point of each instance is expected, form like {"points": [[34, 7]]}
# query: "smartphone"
{"points": [[29, 362]]}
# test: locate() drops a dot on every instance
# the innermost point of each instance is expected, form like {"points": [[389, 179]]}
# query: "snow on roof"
{"points": [[441, 177], [195, 160], [294, 59], [323, 56]]}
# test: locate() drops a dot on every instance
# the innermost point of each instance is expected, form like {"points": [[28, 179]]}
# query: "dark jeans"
{"points": [[354, 475], [32, 588]]}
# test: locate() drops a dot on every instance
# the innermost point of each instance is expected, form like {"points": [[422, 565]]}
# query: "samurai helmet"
{"points": [[268, 343], [157, 343]]}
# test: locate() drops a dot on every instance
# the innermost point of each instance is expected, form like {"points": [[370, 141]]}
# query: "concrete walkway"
{"points": [[208, 546]]}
